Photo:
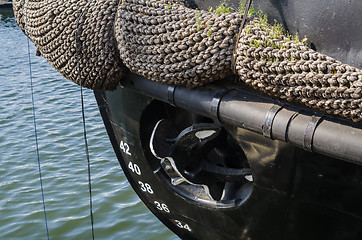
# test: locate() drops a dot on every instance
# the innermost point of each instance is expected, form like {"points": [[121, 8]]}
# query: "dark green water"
{"points": [[118, 213]]}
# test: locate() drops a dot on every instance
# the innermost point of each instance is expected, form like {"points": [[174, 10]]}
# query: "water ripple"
{"points": [[118, 212]]}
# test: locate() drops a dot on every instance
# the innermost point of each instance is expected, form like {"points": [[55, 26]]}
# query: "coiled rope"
{"points": [[174, 44], [294, 72], [168, 42], [52, 26]]}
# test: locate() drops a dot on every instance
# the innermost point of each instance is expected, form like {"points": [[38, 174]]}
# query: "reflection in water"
{"points": [[6, 15]]}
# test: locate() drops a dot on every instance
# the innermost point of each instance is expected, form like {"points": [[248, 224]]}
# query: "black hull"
{"points": [[295, 193], [306, 167]]}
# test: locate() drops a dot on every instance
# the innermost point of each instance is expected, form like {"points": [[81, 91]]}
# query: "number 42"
{"points": [[124, 147]]}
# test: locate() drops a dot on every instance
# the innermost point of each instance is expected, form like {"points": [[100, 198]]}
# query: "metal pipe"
{"points": [[234, 106]]}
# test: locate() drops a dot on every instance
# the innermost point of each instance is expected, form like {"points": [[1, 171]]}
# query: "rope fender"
{"points": [[168, 42], [52, 28]]}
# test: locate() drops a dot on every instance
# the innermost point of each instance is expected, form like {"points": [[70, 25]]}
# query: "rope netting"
{"points": [[168, 42]]}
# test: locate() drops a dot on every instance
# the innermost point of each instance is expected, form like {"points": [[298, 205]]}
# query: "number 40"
{"points": [[134, 168]]}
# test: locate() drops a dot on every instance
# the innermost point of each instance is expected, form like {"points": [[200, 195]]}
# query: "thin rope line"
{"points": [[78, 48], [34, 120], [243, 21]]}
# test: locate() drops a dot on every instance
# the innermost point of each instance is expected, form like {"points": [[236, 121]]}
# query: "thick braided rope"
{"points": [[52, 27], [294, 72], [170, 43]]}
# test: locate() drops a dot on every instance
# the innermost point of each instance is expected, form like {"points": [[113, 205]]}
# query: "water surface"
{"points": [[118, 212]]}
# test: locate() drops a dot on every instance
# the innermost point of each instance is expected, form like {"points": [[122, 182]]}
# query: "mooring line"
{"points": [[34, 121], [77, 49]]}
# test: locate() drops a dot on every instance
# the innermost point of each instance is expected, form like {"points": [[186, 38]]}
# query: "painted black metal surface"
{"points": [[295, 194], [236, 104], [273, 189]]}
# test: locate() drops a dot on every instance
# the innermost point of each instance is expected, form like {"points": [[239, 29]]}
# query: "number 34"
{"points": [[182, 225]]}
